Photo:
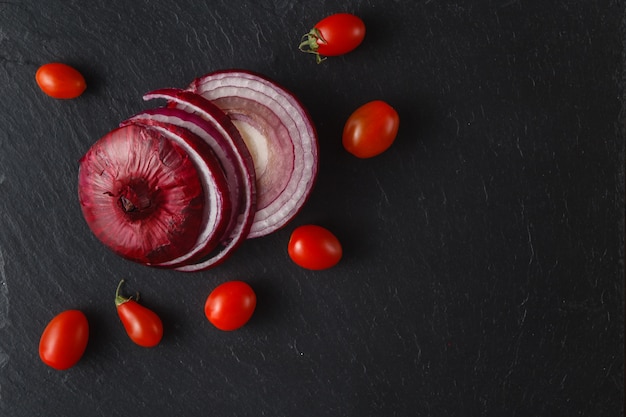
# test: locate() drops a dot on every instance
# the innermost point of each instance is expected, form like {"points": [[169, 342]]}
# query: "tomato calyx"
{"points": [[310, 44], [119, 299]]}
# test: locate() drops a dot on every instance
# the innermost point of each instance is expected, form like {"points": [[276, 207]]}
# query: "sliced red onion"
{"points": [[218, 208], [227, 144], [232, 157], [280, 135], [141, 195]]}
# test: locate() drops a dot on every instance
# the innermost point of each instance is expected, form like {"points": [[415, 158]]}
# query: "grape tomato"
{"points": [[60, 81], [230, 305], [314, 247], [64, 340], [334, 35], [143, 326], [371, 129]]}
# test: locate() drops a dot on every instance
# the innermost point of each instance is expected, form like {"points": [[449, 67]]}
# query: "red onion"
{"points": [[182, 186]]}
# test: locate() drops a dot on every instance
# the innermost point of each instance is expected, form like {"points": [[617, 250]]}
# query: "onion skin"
{"points": [[141, 195]]}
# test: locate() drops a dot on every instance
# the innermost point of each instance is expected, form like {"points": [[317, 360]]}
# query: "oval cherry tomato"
{"points": [[64, 340], [230, 305], [143, 326], [334, 35], [60, 80], [371, 129], [314, 247]]}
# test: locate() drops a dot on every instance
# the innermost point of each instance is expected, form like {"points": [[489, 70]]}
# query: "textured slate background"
{"points": [[483, 271]]}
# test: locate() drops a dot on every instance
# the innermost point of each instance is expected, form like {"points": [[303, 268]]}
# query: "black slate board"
{"points": [[483, 271]]}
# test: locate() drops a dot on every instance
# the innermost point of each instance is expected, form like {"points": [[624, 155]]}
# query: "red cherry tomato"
{"points": [[143, 326], [64, 340], [334, 35], [230, 305], [60, 81], [314, 247], [371, 129]]}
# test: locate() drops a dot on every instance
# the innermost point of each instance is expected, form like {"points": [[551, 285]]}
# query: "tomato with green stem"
{"points": [[143, 326], [314, 247], [371, 129], [61, 81], [230, 305], [64, 340], [334, 35]]}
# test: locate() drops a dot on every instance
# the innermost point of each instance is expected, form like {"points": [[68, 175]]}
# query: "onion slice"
{"points": [[280, 136]]}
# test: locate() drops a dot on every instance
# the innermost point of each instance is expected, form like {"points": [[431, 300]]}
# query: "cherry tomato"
{"points": [[60, 80], [143, 326], [334, 35], [230, 305], [64, 340], [314, 247], [371, 129]]}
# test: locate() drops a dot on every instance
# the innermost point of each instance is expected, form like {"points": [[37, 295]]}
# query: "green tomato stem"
{"points": [[310, 44], [119, 300]]}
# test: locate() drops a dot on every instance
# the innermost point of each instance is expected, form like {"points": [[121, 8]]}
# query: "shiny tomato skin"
{"points": [[60, 80], [314, 247], [230, 305], [64, 340], [340, 34], [371, 129], [143, 326]]}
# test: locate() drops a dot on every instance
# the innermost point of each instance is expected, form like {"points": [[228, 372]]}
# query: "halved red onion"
{"points": [[218, 207], [141, 195], [280, 136]]}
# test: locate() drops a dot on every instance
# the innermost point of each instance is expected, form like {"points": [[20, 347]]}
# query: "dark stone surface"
{"points": [[483, 271]]}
